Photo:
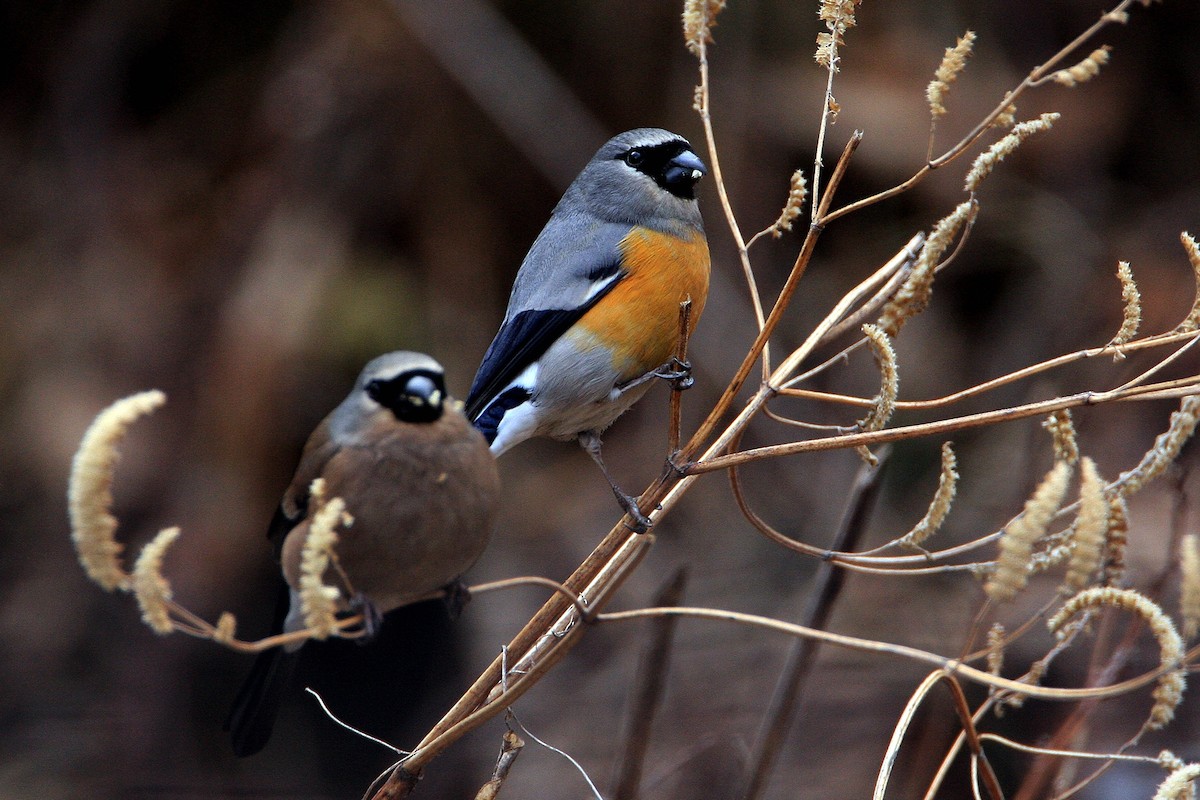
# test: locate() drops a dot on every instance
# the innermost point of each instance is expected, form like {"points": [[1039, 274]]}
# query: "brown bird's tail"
{"points": [[256, 706]]}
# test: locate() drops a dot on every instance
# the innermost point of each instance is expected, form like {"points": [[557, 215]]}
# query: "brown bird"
{"points": [[422, 488]]}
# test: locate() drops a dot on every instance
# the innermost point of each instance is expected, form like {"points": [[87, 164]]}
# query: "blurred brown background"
{"points": [[240, 203]]}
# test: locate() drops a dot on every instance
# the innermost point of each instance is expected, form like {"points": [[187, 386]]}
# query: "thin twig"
{"points": [[951, 666], [940, 427], [677, 387], [510, 748]]}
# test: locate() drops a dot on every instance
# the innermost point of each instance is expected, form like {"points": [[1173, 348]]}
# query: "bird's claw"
{"points": [[678, 372], [641, 523], [371, 616], [456, 598]]}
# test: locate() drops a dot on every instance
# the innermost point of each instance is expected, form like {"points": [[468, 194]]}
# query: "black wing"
{"points": [[521, 341]]}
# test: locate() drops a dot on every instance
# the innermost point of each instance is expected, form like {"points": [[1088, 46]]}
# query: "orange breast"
{"points": [[639, 318]]}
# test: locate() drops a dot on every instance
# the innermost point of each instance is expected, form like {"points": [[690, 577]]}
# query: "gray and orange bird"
{"points": [[594, 311], [422, 488]]}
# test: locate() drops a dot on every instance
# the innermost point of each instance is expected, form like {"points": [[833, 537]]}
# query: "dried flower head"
{"points": [[1189, 585], [89, 495], [953, 62], [838, 16], [319, 602], [1115, 540], [913, 295], [1085, 70], [1166, 447], [1169, 691], [986, 161], [699, 18], [1091, 526], [1192, 322], [226, 628], [1180, 784], [1062, 431], [795, 202], [995, 645], [150, 587], [885, 401], [939, 507], [1132, 299], [1016, 545], [1006, 118]]}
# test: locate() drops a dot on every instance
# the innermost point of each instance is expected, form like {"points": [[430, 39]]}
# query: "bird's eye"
{"points": [[634, 157]]}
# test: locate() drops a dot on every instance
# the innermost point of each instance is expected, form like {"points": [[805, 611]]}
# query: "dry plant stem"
{"points": [[510, 748], [971, 734], [1031, 81], [648, 690], [685, 316], [722, 194], [1004, 380], [1175, 389], [823, 593], [951, 666]]}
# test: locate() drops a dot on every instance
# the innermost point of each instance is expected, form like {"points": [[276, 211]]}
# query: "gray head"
{"points": [[644, 176], [410, 385]]}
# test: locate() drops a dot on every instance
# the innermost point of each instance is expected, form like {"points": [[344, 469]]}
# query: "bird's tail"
{"points": [[256, 706]]}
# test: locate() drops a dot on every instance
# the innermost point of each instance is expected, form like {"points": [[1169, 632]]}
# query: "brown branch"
{"points": [[510, 748], [939, 427], [677, 387]]}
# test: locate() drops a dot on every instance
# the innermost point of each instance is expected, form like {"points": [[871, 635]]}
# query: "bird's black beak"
{"points": [[682, 172]]}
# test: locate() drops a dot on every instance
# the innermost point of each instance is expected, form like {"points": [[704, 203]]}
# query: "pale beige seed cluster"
{"points": [[1016, 544], [1180, 784], [939, 507], [1116, 540], [1132, 299], [838, 16], [953, 62], [89, 495], [913, 295], [995, 645], [885, 401], [986, 161], [1166, 447], [795, 202], [1169, 691], [699, 18], [151, 589], [1192, 322], [1085, 70], [1189, 590], [319, 602], [1062, 431], [1091, 527]]}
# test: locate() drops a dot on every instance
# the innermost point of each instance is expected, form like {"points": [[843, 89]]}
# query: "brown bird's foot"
{"points": [[677, 372], [676, 467], [372, 618], [641, 523], [590, 442], [456, 598]]}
